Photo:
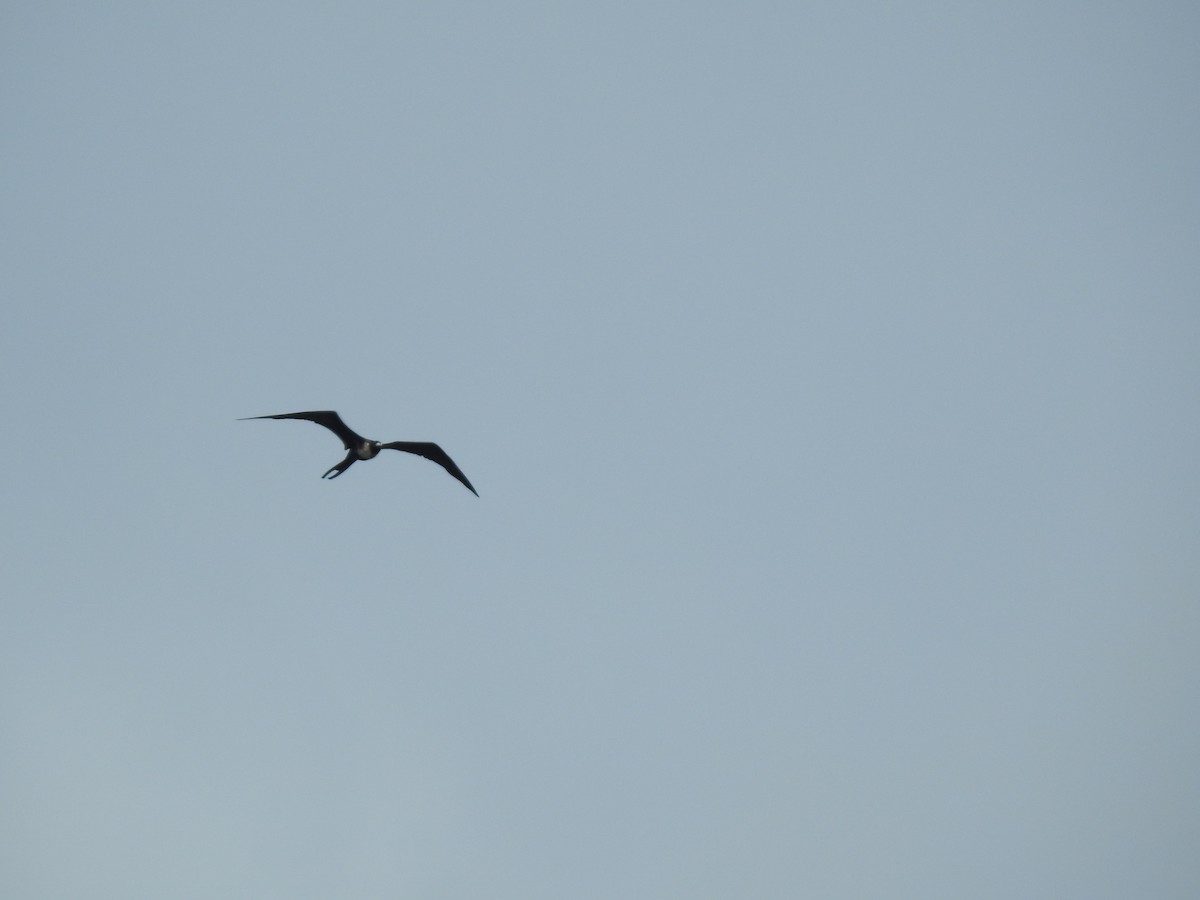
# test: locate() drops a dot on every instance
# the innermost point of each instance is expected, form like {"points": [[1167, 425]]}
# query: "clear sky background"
{"points": [[829, 374]]}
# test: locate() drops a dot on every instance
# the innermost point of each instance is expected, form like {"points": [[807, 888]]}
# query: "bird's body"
{"points": [[361, 448]]}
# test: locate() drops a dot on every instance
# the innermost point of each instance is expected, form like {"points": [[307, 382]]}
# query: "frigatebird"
{"points": [[359, 447]]}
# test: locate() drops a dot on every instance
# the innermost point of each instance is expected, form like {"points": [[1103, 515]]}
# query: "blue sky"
{"points": [[828, 374]]}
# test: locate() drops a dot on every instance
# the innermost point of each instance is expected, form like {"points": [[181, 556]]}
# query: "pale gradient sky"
{"points": [[829, 374]]}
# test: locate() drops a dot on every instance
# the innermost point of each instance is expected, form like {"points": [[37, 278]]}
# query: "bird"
{"points": [[359, 447]]}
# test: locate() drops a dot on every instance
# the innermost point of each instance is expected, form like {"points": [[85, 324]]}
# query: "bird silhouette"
{"points": [[359, 447]]}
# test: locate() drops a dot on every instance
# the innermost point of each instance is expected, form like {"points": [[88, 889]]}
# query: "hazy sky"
{"points": [[829, 374]]}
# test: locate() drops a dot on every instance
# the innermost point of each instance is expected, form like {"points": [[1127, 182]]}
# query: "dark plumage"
{"points": [[359, 447]]}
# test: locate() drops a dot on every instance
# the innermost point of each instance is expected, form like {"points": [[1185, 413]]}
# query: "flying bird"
{"points": [[359, 447]]}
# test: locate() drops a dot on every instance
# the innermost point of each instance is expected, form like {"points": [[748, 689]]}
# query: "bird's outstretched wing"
{"points": [[433, 453], [326, 417]]}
